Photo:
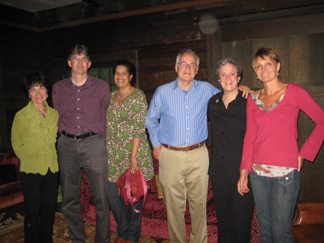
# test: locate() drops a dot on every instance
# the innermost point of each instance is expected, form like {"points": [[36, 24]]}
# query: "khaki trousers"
{"points": [[184, 175]]}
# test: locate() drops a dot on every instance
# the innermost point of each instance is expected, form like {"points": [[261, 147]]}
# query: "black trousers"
{"points": [[234, 212], [40, 196], [91, 154]]}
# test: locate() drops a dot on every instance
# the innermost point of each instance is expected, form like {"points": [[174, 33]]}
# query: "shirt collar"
{"points": [[87, 83], [238, 99], [32, 111], [176, 85]]}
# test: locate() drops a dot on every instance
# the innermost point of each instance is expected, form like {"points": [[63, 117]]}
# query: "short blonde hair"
{"points": [[263, 53]]}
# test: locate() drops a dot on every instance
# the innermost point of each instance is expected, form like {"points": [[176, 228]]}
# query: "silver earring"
{"points": [[257, 78], [278, 73]]}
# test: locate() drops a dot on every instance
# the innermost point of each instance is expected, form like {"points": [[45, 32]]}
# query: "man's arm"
{"points": [[105, 106], [246, 91], [152, 122], [55, 97]]}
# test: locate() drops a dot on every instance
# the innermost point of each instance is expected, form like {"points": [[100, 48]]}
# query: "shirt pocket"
{"points": [[92, 112], [290, 178], [91, 106]]}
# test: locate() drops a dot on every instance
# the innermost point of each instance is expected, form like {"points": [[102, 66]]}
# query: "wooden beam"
{"points": [[136, 12], [296, 25], [19, 26], [214, 54]]}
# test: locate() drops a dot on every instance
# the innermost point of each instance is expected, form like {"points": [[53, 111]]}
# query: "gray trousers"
{"points": [[91, 154]]}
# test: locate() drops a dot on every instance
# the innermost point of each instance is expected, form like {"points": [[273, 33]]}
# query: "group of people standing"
{"points": [[254, 145]]}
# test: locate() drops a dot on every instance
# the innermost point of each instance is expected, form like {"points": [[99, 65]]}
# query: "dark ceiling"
{"points": [[87, 11]]}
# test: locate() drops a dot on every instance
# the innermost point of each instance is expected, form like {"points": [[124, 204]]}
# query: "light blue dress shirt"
{"points": [[177, 117]]}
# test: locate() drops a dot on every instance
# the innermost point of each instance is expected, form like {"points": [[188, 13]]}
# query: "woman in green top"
{"points": [[33, 137], [127, 146]]}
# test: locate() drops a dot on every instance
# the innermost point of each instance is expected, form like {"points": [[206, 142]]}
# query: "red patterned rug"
{"points": [[154, 221]]}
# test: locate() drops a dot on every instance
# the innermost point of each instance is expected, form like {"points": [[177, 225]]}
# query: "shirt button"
{"points": [[187, 128], [77, 117], [78, 98], [186, 107], [78, 90], [78, 126], [187, 117], [78, 108]]}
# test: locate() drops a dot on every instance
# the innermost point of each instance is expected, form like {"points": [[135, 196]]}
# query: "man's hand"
{"points": [[246, 91], [157, 151], [300, 163], [242, 184]]}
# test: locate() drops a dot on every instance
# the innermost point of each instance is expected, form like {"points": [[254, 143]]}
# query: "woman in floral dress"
{"points": [[128, 147]]}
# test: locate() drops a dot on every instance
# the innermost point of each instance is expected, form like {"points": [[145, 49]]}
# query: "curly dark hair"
{"points": [[130, 68], [34, 79], [230, 60]]}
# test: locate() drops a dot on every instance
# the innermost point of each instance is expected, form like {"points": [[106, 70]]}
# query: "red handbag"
{"points": [[132, 187]]}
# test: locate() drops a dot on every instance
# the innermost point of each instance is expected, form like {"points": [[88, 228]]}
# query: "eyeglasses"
{"points": [[185, 65], [80, 59]]}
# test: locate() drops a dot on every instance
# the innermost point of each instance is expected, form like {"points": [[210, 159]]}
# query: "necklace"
{"points": [[43, 112], [124, 94]]}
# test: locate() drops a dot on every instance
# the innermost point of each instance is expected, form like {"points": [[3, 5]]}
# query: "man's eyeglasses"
{"points": [[80, 59], [185, 65]]}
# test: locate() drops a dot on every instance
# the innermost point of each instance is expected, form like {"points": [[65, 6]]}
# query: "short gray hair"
{"points": [[229, 60], [184, 51]]}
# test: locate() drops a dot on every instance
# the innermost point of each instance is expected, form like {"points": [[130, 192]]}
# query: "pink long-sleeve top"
{"points": [[271, 138]]}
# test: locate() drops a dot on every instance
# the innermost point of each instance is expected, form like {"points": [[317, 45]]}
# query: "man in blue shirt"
{"points": [[177, 124]]}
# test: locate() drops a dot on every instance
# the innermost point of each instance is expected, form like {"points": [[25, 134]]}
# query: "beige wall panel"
{"points": [[280, 46], [299, 59], [316, 62]]}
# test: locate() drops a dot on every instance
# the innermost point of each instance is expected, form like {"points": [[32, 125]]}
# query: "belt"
{"points": [[78, 136], [187, 148]]}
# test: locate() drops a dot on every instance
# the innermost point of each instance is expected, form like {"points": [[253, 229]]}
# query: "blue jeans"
{"points": [[275, 199], [129, 222]]}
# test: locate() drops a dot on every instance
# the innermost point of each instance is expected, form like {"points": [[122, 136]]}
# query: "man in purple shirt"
{"points": [[82, 102]]}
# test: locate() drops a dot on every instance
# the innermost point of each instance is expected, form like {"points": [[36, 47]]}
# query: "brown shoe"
{"points": [[118, 240]]}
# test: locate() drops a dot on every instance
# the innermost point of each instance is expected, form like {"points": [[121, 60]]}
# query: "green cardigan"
{"points": [[33, 139]]}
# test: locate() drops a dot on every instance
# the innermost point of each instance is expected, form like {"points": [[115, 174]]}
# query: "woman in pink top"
{"points": [[270, 151]]}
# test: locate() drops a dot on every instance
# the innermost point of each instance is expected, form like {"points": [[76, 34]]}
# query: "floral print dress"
{"points": [[125, 122]]}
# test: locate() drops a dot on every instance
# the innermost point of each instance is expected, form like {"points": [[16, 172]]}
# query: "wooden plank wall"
{"points": [[19, 53], [159, 38], [301, 57], [156, 39]]}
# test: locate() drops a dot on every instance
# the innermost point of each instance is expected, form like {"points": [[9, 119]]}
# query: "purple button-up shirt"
{"points": [[82, 109]]}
